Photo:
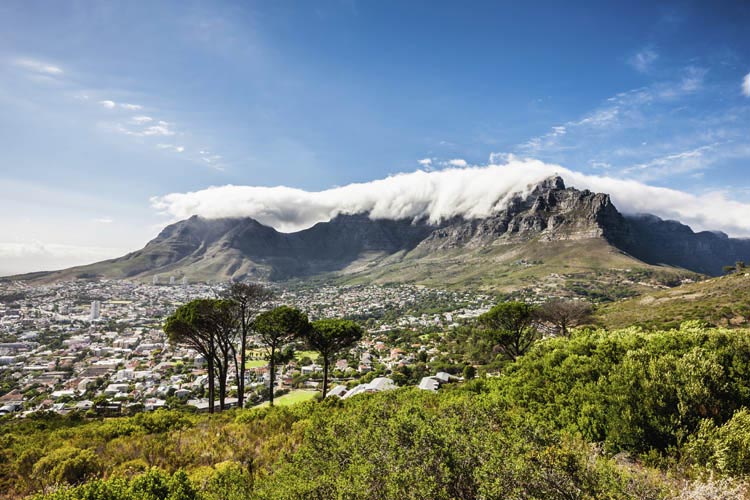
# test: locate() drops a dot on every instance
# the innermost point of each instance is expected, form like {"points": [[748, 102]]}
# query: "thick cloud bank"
{"points": [[471, 192]]}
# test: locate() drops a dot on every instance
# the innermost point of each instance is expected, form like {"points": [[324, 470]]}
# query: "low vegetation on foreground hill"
{"points": [[600, 414], [723, 301]]}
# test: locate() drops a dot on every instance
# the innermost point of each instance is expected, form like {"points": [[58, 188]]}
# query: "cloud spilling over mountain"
{"points": [[471, 192]]}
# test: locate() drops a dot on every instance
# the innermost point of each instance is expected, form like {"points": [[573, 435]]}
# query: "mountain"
{"points": [[555, 238]]}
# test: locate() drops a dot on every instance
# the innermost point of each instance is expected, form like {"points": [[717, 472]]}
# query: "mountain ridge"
{"points": [[355, 246]]}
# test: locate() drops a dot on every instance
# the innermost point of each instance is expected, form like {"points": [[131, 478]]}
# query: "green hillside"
{"points": [[587, 268], [723, 301]]}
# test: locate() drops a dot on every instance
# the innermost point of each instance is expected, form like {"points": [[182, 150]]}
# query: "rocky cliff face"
{"points": [[657, 241], [551, 212]]}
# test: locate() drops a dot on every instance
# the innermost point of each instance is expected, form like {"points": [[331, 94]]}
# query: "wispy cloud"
{"points": [[115, 114], [140, 120], [210, 159], [110, 104], [425, 162], [161, 128], [104, 220], [636, 109], [643, 59], [171, 147], [746, 85], [677, 163], [38, 256], [38, 66], [457, 162], [158, 129]]}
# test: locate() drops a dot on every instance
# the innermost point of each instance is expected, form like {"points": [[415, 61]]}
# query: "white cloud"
{"points": [[693, 79], [425, 162], [26, 256], [471, 192], [161, 128], [140, 120], [643, 60], [171, 147], [110, 104], [104, 220], [211, 159], [746, 85], [457, 162], [38, 66]]}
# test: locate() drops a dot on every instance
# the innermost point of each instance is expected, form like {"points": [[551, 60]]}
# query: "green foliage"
{"points": [[277, 328], [67, 465], [724, 448], [585, 417], [511, 327], [329, 337], [153, 485]]}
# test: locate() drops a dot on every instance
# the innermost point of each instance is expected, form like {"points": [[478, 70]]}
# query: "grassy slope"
{"points": [[294, 397], [540, 268], [721, 301]]}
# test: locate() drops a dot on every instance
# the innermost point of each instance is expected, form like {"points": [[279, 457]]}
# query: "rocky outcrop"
{"points": [[550, 212]]}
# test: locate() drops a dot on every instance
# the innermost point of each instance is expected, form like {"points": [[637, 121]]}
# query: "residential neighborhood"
{"points": [[98, 346]]}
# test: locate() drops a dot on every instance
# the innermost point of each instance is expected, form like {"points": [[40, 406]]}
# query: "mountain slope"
{"points": [[723, 301]]}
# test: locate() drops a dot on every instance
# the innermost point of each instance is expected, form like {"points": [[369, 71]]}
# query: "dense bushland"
{"points": [[623, 414]]}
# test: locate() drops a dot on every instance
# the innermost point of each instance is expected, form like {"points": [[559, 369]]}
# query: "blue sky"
{"points": [[108, 104]]}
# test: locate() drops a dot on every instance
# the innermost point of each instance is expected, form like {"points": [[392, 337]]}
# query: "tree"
{"points": [[564, 314], [208, 327], [224, 321], [510, 325], [329, 337], [248, 297], [277, 328], [188, 326]]}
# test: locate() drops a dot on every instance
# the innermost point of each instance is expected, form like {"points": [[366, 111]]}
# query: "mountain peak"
{"points": [[552, 183]]}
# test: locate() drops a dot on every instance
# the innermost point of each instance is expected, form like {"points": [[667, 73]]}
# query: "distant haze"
{"points": [[471, 192]]}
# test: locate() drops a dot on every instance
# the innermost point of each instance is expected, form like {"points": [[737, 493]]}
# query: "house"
{"points": [[379, 384], [434, 382], [113, 389], [342, 364], [429, 384], [337, 391], [310, 369]]}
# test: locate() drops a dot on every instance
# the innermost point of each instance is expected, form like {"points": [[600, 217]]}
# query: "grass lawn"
{"points": [[296, 396], [310, 354], [255, 363]]}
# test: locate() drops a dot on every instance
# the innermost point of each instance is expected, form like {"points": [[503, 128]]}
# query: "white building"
{"points": [[95, 309]]}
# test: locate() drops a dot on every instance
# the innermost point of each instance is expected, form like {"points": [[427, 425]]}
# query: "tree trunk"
{"points": [[222, 385], [325, 376], [241, 376], [210, 384], [272, 367]]}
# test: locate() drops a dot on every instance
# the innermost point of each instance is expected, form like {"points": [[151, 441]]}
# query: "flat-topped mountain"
{"points": [[553, 229]]}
